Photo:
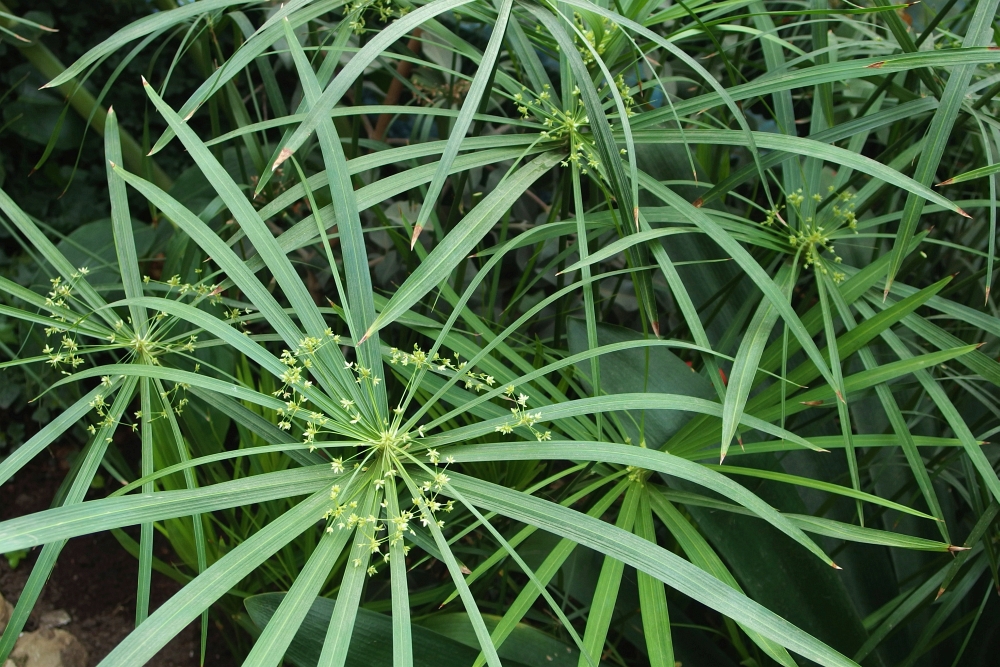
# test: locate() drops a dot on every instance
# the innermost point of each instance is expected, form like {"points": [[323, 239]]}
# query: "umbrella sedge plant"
{"points": [[741, 185]]}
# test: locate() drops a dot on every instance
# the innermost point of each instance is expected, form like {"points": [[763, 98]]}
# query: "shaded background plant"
{"points": [[411, 300]]}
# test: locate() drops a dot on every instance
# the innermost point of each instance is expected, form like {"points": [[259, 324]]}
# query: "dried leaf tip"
{"points": [[144, 82], [940, 592], [953, 549], [113, 165], [945, 182], [835, 566], [964, 214], [282, 156], [635, 217], [416, 233]]}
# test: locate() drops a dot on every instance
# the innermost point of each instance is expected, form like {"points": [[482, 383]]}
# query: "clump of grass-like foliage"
{"points": [[621, 332]]}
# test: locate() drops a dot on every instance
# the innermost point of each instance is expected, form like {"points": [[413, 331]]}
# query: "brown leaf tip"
{"points": [[416, 234], [282, 156]]}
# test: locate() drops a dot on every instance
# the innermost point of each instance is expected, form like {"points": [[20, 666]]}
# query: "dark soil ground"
{"points": [[94, 579]]}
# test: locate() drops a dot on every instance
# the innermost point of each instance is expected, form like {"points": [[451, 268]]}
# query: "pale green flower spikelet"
{"points": [[442, 365], [637, 475], [522, 417], [169, 396], [145, 349], [608, 30], [198, 290], [295, 380], [381, 449], [814, 237], [562, 125], [386, 9], [569, 126], [626, 95], [380, 529], [237, 316], [61, 296], [67, 352]]}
